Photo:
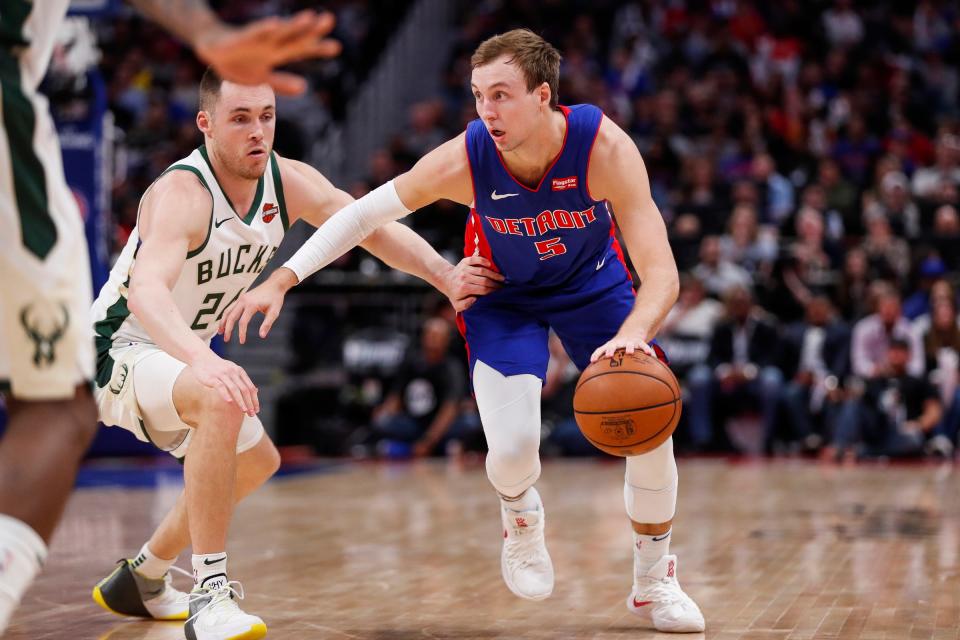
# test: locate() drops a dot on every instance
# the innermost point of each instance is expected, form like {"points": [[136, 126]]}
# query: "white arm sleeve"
{"points": [[346, 229]]}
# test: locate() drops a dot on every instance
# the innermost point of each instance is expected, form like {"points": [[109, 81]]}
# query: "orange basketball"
{"points": [[628, 404]]}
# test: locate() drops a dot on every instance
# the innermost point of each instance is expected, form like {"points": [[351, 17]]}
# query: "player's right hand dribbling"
{"points": [[229, 379]]}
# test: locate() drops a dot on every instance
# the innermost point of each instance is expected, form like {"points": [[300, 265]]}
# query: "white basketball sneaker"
{"points": [[215, 615], [658, 599], [525, 563]]}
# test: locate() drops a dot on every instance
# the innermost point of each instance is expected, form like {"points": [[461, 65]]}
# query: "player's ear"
{"points": [[204, 120], [544, 95]]}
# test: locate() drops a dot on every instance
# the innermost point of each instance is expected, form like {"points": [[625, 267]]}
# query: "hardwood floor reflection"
{"points": [[785, 550]]}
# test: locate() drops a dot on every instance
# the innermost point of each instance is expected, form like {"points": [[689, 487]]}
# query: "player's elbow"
{"points": [[137, 296]]}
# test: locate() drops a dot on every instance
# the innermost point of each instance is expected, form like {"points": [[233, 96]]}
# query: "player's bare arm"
{"points": [[617, 174], [315, 199], [175, 219], [247, 54]]}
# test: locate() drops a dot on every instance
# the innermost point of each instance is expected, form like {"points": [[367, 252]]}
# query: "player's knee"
{"points": [[268, 460], [654, 470], [81, 418], [214, 411], [514, 467], [650, 487]]}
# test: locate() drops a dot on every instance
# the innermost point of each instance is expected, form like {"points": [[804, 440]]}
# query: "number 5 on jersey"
{"points": [[550, 248]]}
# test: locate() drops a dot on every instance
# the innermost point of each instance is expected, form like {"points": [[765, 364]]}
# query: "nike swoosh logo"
{"points": [[207, 561], [641, 603], [664, 537], [220, 222], [501, 196], [600, 264]]}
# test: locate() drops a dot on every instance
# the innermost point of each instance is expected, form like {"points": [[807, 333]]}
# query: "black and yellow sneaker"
{"points": [[128, 593]]}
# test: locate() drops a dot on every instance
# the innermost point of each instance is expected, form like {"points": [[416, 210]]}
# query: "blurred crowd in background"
{"points": [[805, 156]]}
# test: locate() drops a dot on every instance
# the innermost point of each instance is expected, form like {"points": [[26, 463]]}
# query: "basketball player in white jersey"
{"points": [[46, 356], [206, 228]]}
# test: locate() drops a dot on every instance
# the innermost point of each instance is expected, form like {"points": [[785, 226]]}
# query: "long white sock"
{"points": [[647, 551], [210, 570], [22, 554], [149, 565], [526, 501]]}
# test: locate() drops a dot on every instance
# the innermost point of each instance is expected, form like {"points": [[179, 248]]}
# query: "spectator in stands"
{"points": [[421, 412], [564, 436], [686, 331], [779, 200], [928, 180], [816, 360], [718, 275], [896, 206], [872, 337], [741, 371], [746, 243], [898, 409], [946, 235], [851, 293], [941, 346], [887, 255], [930, 271], [841, 196]]}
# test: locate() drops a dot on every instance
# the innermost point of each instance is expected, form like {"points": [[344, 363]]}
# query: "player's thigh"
{"points": [[586, 321], [45, 291], [508, 337]]}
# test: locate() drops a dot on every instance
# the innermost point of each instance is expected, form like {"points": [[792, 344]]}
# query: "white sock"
{"points": [[647, 551], [149, 565], [529, 500], [22, 554], [210, 570]]}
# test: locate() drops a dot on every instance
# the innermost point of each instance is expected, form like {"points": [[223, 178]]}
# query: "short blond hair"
{"points": [[538, 60]]}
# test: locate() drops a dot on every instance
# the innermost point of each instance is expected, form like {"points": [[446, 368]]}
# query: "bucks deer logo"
{"points": [[45, 329]]}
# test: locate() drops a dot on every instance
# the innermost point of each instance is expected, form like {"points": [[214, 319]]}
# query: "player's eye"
{"points": [[499, 95]]}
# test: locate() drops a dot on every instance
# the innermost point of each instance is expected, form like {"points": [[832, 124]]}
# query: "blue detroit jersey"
{"points": [[546, 236]]}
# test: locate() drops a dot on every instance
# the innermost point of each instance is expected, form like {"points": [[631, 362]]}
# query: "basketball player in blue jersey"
{"points": [[543, 182]]}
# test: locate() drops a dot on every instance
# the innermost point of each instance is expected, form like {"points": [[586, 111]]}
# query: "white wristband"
{"points": [[346, 229]]}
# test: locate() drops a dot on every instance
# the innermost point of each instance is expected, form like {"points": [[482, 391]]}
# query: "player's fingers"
{"points": [[254, 392], [268, 321], [287, 84], [245, 318], [234, 392], [491, 275], [246, 391], [464, 304], [230, 319], [224, 393]]}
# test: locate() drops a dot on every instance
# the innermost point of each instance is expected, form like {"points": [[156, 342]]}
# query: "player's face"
{"points": [[509, 111], [242, 127]]}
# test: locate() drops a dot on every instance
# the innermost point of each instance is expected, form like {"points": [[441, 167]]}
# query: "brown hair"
{"points": [[538, 60], [210, 85]]}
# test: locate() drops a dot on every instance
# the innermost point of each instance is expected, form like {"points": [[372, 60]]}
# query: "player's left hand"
{"points": [[471, 277], [249, 54], [630, 344]]}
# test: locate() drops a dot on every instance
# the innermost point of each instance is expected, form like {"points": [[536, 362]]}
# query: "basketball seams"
{"points": [[659, 405]]}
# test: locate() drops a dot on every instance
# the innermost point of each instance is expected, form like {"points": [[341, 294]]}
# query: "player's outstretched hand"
{"points": [[265, 298], [629, 343], [229, 379], [471, 277], [249, 54]]}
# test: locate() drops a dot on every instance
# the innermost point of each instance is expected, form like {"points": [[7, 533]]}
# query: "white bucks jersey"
{"points": [[237, 248]]}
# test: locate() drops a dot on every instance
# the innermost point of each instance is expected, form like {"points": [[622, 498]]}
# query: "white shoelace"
{"points": [[217, 598], [526, 546]]}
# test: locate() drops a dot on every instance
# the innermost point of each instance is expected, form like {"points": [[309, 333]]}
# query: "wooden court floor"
{"points": [[784, 550]]}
